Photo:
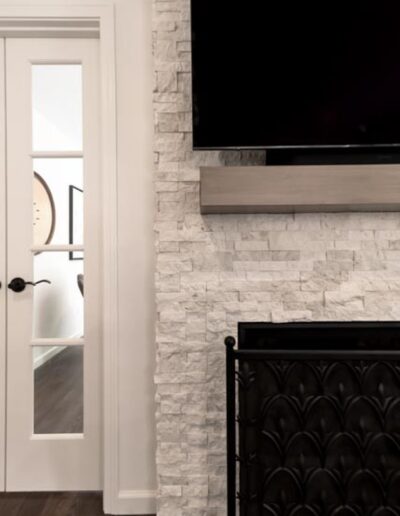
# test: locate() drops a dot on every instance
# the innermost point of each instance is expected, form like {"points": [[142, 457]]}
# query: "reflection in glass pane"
{"points": [[58, 389], [57, 107], [58, 308], [58, 201]]}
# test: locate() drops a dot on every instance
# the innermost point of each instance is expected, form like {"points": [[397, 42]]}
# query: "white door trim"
{"points": [[104, 14], [3, 270]]}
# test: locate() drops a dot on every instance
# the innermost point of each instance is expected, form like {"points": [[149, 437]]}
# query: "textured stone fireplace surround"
{"points": [[213, 271]]}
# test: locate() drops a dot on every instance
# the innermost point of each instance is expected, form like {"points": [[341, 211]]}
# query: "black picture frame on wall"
{"points": [[75, 219]]}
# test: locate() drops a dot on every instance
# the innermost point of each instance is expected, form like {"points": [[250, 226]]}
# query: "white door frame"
{"points": [[58, 21], [3, 267]]}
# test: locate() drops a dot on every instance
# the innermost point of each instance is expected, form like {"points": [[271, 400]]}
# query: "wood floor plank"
{"points": [[90, 505], [62, 504], [11, 503], [51, 504], [32, 504]]}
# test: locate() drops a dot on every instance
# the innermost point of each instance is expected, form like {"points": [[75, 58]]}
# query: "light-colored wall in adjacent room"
{"points": [[216, 270]]}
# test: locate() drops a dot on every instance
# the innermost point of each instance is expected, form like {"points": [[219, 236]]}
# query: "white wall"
{"points": [[137, 477]]}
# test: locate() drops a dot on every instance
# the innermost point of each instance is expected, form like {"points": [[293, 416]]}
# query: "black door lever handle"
{"points": [[19, 284]]}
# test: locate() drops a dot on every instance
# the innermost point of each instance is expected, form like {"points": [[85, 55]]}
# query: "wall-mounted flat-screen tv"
{"points": [[289, 73]]}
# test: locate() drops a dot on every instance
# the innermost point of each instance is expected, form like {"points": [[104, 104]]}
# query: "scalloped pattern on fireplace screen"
{"points": [[319, 438]]}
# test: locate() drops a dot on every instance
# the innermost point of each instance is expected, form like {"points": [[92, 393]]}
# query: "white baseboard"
{"points": [[46, 356], [134, 502], [51, 352]]}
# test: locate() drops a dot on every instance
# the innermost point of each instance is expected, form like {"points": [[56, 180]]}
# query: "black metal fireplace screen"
{"points": [[313, 420]]}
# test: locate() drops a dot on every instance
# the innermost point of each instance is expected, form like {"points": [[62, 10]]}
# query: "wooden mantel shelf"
{"points": [[281, 189]]}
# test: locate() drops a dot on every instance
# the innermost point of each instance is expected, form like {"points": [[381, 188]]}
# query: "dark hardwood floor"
{"points": [[51, 504], [59, 393]]}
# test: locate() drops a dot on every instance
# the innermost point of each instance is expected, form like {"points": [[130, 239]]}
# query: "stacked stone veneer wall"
{"points": [[213, 271]]}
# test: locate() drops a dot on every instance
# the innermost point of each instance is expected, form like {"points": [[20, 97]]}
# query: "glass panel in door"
{"points": [[58, 389], [58, 201], [58, 307], [57, 107]]}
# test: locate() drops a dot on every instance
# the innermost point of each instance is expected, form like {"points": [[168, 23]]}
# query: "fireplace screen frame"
{"points": [[377, 342]]}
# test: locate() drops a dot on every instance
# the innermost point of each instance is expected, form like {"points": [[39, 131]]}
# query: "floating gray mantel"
{"points": [[290, 189]]}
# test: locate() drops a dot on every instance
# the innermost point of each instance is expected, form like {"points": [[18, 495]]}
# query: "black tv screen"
{"points": [[280, 73]]}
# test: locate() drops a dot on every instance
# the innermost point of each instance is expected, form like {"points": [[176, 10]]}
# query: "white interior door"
{"points": [[53, 220]]}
